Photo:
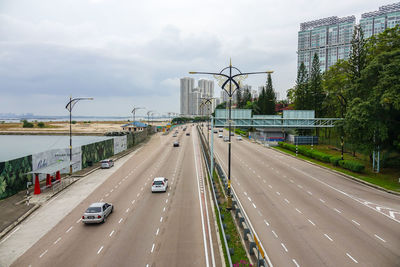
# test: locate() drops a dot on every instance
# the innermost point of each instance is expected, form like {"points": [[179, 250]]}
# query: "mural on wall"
{"points": [[120, 144], [13, 176], [95, 152], [130, 140], [50, 157]]}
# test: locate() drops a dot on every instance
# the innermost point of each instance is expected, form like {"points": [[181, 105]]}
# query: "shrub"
{"points": [[335, 160], [73, 122], [27, 124], [321, 156], [40, 124], [351, 165]]}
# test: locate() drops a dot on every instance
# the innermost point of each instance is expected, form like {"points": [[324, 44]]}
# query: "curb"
{"points": [[349, 177], [29, 212], [18, 221]]}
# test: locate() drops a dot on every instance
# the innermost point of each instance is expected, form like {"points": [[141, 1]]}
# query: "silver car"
{"points": [[97, 212]]}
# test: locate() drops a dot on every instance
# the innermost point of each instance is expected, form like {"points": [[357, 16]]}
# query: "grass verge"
{"points": [[384, 180], [234, 241]]}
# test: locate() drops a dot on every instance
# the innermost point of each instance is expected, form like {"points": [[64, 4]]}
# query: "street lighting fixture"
{"points": [[69, 107], [134, 111], [224, 80], [207, 101], [148, 117]]}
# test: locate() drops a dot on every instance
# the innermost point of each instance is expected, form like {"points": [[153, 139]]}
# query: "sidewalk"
{"points": [[51, 212]]}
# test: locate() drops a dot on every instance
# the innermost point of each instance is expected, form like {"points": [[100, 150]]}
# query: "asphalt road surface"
{"points": [[305, 215], [175, 228]]}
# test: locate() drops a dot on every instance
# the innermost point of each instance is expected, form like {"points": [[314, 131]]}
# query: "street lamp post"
{"points": [[69, 107], [208, 102], [224, 80], [134, 112]]}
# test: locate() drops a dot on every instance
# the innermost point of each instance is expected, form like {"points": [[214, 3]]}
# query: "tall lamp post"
{"points": [[208, 102], [134, 112], [148, 117], [227, 80], [69, 107]]}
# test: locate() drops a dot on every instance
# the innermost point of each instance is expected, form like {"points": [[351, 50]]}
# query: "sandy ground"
{"points": [[100, 127]]}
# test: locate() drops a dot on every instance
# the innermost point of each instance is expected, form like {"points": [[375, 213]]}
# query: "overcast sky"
{"points": [[133, 52]]}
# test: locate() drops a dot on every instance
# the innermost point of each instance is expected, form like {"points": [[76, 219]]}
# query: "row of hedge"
{"points": [[336, 161]]}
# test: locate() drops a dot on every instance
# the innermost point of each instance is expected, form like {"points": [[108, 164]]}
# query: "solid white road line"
{"points": [[58, 239], [111, 233], [327, 236], [351, 258], [41, 255], [100, 249], [284, 247], [9, 235], [377, 236], [355, 222], [274, 234]]}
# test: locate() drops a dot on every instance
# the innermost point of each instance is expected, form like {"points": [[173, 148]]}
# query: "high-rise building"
{"points": [[329, 38], [377, 21], [191, 97], [187, 85]]}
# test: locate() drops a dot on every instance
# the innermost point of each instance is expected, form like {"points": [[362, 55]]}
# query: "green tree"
{"points": [[239, 101], [261, 102], [301, 94], [270, 97], [357, 60], [315, 88]]}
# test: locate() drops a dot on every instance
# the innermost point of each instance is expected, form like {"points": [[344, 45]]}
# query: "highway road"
{"points": [[305, 215], [175, 228]]}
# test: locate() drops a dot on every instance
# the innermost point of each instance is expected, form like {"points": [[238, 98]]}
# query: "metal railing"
{"points": [[250, 237]]}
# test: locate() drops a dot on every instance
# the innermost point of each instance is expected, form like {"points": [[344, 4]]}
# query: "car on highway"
{"points": [[232, 134], [107, 163], [220, 130], [97, 212], [220, 136], [226, 138], [239, 138], [176, 143], [187, 133], [215, 131], [160, 184]]}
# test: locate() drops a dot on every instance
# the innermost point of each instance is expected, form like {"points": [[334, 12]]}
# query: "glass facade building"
{"points": [[330, 38], [377, 21]]}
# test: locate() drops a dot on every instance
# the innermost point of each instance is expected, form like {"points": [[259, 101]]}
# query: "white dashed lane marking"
{"points": [[383, 240], [327, 236], [284, 247], [351, 258], [355, 222], [111, 233], [100, 249], [58, 240], [274, 233], [41, 255]]}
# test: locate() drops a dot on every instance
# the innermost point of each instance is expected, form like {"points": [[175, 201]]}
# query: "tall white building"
{"points": [[187, 86], [191, 97]]}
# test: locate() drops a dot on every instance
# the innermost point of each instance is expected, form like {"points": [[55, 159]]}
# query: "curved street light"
{"points": [[223, 81], [72, 102], [134, 111]]}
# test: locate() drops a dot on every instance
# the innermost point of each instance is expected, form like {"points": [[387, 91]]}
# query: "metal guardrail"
{"points": [[207, 160], [250, 237]]}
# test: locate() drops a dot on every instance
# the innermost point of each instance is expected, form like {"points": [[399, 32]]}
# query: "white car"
{"points": [[160, 184], [239, 138], [226, 138], [107, 163], [220, 136], [97, 212]]}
